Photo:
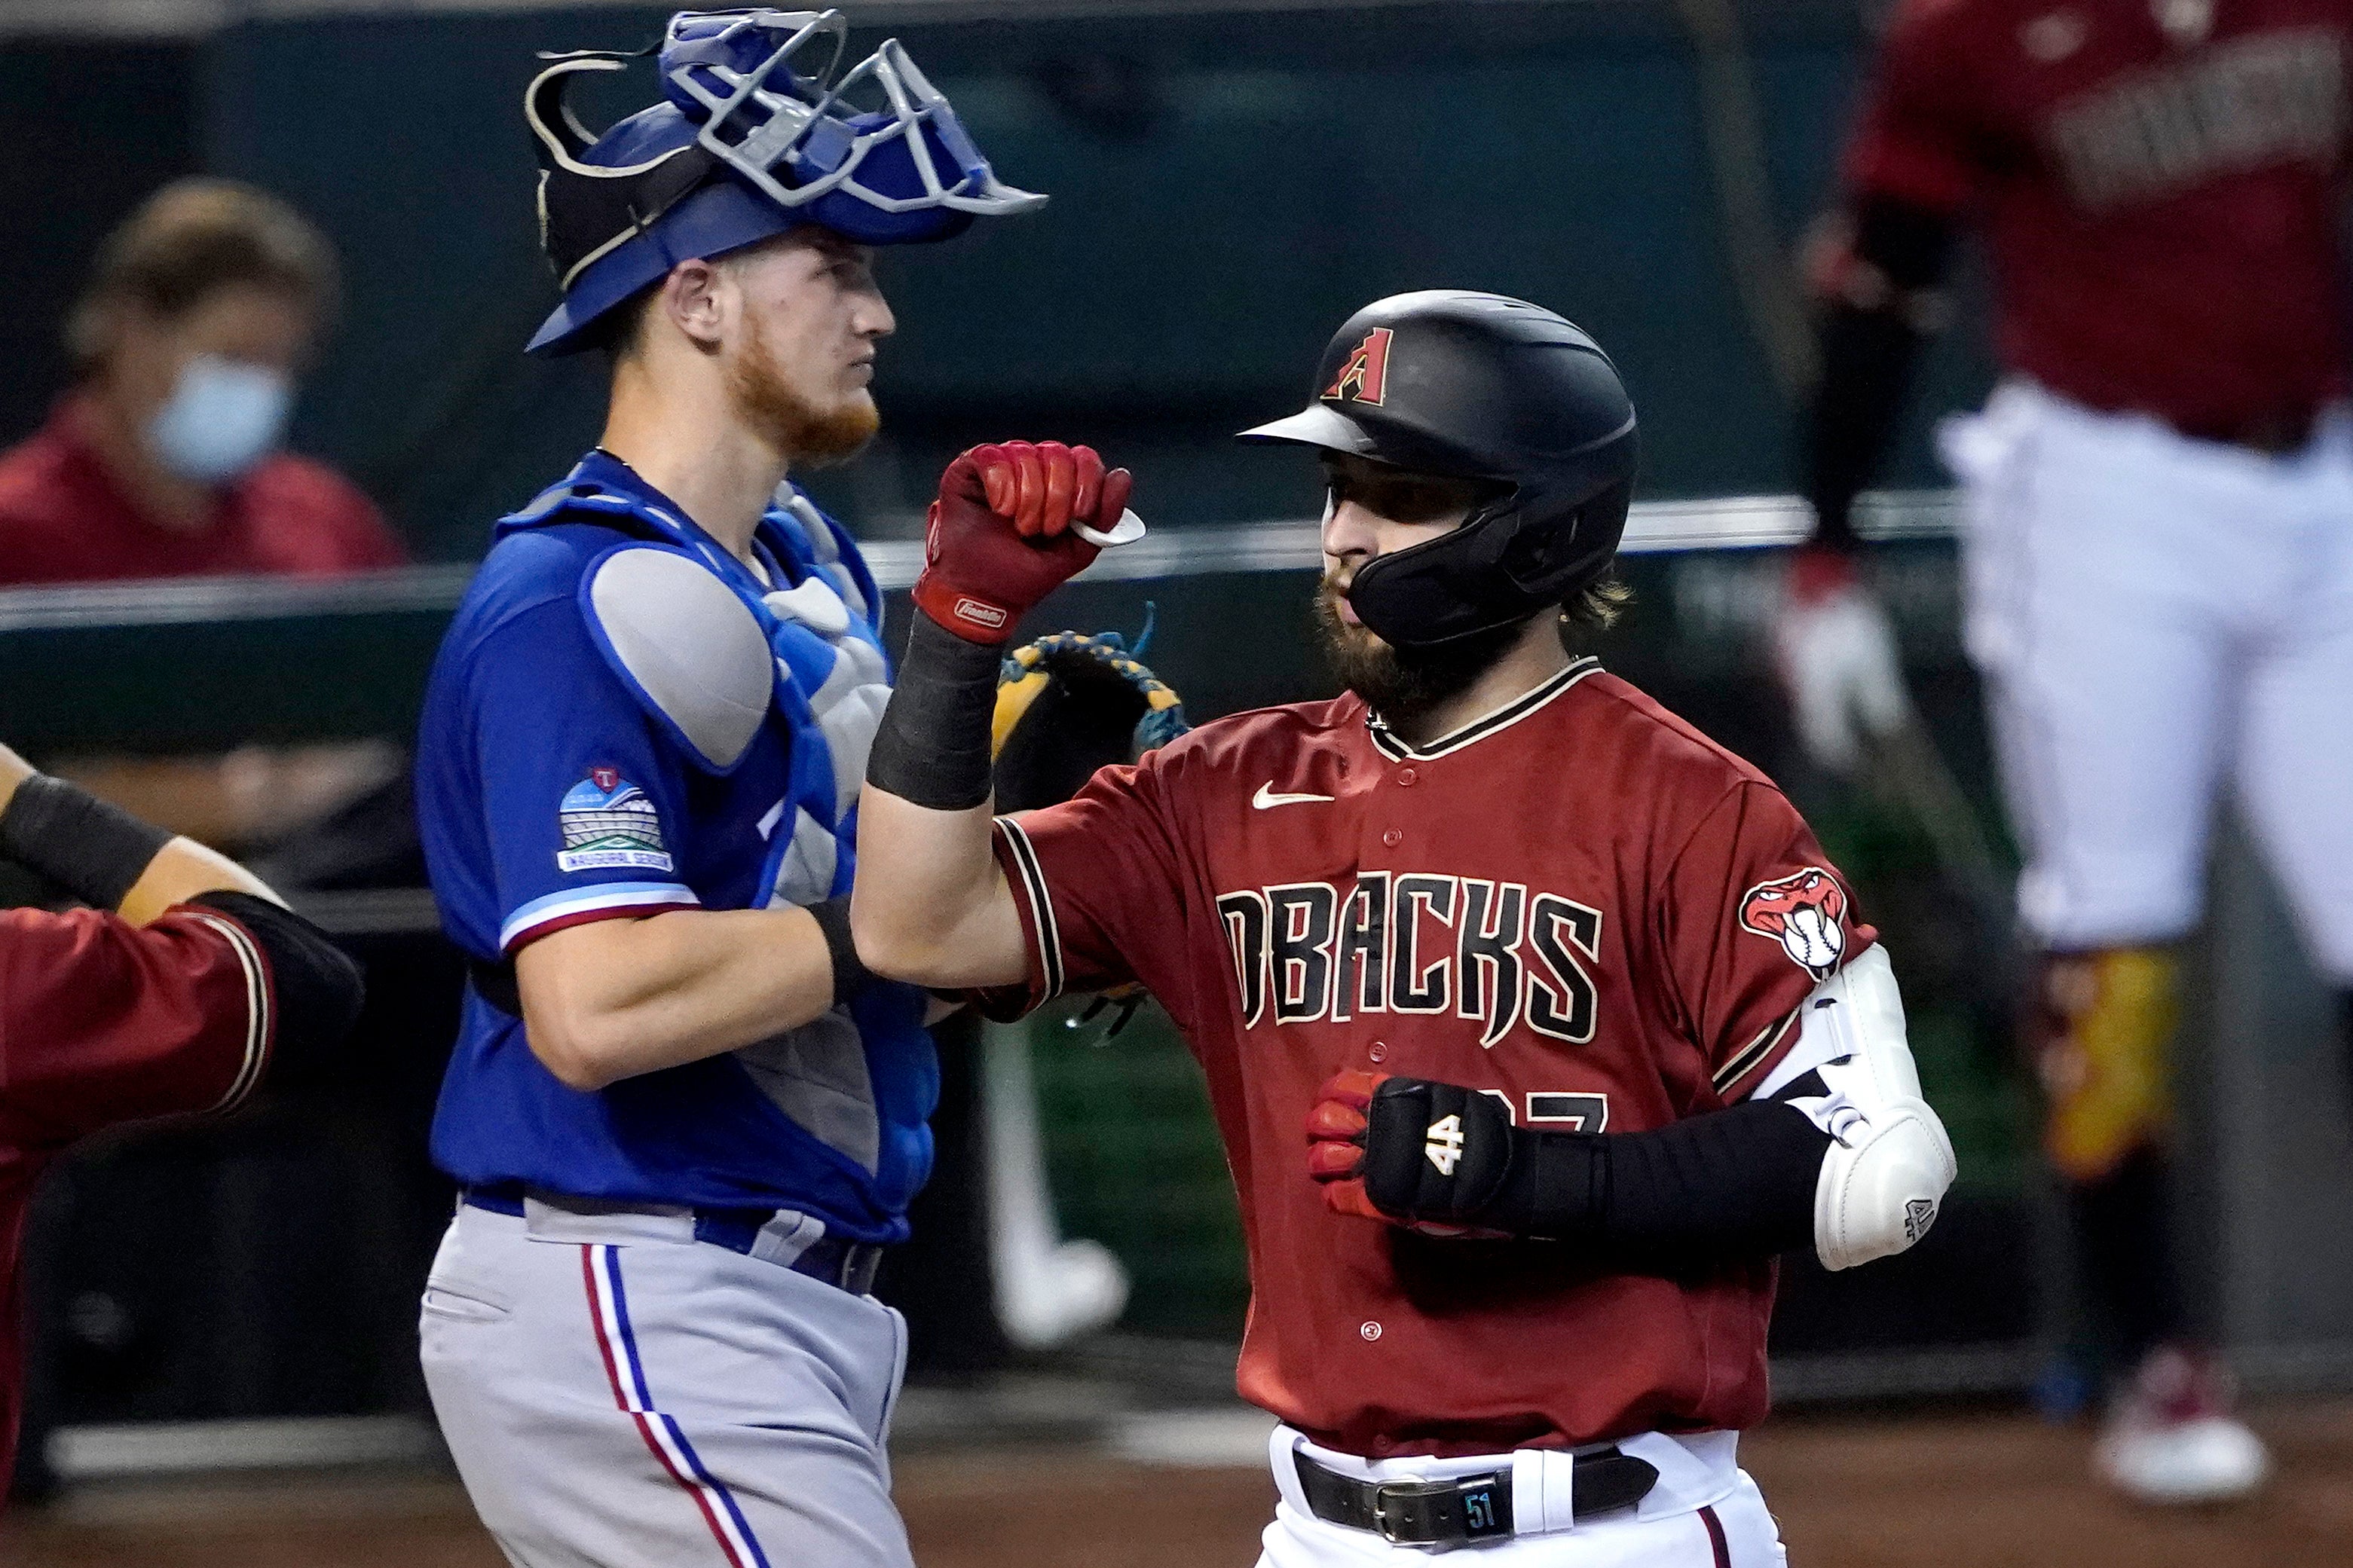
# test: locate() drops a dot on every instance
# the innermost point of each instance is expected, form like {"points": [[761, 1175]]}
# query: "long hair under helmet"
{"points": [[760, 130]]}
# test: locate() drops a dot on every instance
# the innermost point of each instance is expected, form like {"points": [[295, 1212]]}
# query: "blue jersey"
{"points": [[552, 791]]}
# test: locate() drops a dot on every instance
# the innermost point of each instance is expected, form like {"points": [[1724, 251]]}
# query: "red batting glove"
{"points": [[1000, 534], [1335, 1141]]}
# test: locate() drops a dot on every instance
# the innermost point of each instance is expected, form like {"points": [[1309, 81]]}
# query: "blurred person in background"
{"points": [[2159, 549], [162, 460], [169, 993]]}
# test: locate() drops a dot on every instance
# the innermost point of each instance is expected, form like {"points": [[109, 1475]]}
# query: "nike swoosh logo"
{"points": [[1266, 797]]}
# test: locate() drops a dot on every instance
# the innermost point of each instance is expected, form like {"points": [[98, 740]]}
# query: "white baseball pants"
{"points": [[2153, 615]]}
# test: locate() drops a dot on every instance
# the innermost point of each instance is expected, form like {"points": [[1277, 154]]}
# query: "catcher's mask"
{"points": [[759, 131], [1478, 386]]}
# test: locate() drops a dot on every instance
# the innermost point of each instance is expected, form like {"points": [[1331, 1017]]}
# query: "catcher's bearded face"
{"points": [[1372, 508], [799, 367]]}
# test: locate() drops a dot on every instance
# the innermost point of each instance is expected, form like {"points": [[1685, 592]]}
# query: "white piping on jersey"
{"points": [[1479, 729], [568, 901], [257, 1010], [1041, 906], [1755, 1051]]}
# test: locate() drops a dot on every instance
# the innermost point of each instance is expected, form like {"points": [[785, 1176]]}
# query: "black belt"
{"points": [[495, 984], [839, 1261], [1469, 1508]]}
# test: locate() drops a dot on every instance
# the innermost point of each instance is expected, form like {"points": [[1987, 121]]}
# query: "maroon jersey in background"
{"points": [[103, 1022], [2160, 183], [1578, 902], [63, 519]]}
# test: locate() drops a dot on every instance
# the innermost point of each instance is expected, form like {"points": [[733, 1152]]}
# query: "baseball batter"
{"points": [[2159, 544], [685, 1119], [1534, 1023]]}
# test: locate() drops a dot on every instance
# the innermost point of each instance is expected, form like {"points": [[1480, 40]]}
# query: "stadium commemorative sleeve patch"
{"points": [[609, 823], [1805, 913]]}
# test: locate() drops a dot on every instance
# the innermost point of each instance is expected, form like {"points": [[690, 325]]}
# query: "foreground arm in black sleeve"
{"points": [[111, 860], [315, 989], [1847, 1156]]}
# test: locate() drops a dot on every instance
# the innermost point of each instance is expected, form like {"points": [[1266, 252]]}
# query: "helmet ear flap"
{"points": [[1521, 555]]}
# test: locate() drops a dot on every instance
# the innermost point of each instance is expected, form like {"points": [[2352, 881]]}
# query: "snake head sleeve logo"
{"points": [[1805, 913]]}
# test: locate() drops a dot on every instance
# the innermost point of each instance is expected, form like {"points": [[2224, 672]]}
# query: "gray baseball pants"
{"points": [[617, 1395]]}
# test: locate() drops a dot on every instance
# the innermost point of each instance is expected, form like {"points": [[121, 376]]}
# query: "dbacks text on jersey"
{"points": [[1413, 942], [2269, 98]]}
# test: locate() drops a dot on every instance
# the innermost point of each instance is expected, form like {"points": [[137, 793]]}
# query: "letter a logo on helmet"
{"points": [[1365, 375]]}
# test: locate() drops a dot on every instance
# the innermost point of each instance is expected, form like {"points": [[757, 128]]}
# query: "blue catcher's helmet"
{"points": [[759, 131]]}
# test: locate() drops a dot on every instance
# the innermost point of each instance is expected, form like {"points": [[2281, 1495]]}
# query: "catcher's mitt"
{"points": [[1067, 705]]}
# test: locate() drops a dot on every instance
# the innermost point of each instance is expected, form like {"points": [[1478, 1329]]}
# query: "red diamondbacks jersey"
{"points": [[2159, 181], [103, 1022], [1578, 904]]}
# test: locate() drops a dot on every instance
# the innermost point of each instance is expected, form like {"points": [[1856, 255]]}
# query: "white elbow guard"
{"points": [[1889, 1162]]}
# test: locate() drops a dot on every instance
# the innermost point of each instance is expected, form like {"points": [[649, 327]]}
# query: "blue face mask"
{"points": [[224, 415]]}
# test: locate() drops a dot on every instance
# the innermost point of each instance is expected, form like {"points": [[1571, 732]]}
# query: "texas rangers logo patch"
{"points": [[608, 823], [1805, 913], [1365, 375]]}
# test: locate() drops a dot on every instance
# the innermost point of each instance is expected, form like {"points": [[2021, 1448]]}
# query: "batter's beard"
{"points": [[1402, 684], [809, 437]]}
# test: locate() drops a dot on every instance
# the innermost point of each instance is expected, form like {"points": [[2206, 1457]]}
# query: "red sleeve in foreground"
{"points": [[1755, 917], [101, 1021], [1100, 887]]}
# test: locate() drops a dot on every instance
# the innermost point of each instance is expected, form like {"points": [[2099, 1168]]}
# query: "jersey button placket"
{"points": [[1393, 836]]}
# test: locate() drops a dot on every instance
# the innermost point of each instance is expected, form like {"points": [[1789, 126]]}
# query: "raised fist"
{"points": [[1002, 534]]}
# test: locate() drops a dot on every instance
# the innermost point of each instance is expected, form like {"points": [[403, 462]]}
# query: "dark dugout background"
{"points": [[1228, 188]]}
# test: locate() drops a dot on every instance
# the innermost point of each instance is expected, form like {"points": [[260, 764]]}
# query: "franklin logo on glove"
{"points": [[981, 576]]}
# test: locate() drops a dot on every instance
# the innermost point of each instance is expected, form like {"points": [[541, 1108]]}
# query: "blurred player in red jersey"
{"points": [[170, 995], [2158, 560], [1571, 1014], [162, 460]]}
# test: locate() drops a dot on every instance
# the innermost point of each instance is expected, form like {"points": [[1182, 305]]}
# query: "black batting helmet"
{"points": [[1478, 386]]}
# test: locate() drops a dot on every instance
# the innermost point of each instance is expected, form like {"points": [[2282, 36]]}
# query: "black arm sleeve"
{"points": [[1867, 356], [933, 746], [315, 989], [1736, 1183], [1727, 1185], [91, 847]]}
